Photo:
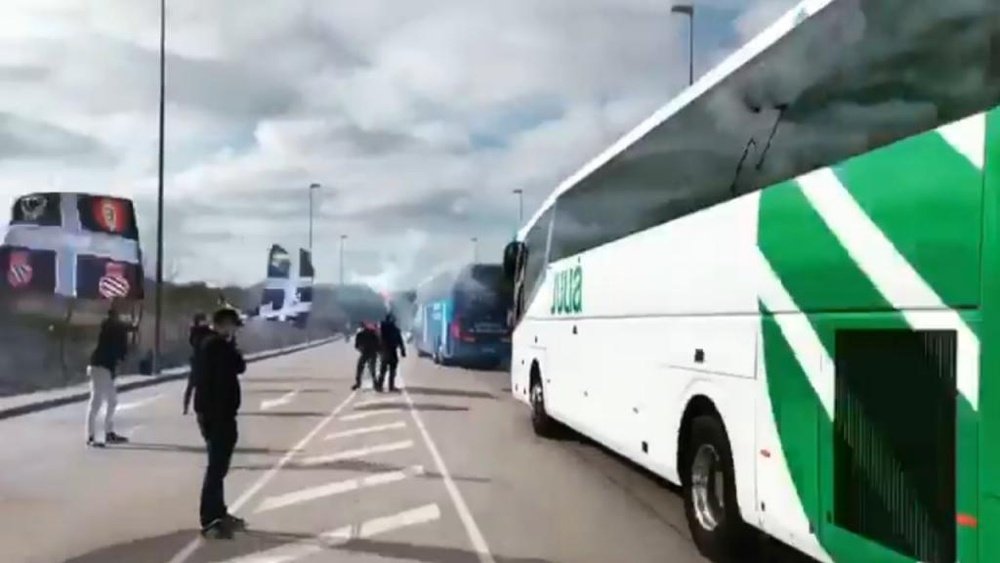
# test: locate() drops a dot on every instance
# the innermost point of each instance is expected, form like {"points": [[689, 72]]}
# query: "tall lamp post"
{"points": [[688, 10], [520, 206], [475, 249], [158, 306], [312, 188], [342, 239]]}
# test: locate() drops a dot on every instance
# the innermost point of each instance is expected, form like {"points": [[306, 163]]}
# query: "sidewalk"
{"points": [[17, 405]]}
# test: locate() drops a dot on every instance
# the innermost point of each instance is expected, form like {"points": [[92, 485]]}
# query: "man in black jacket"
{"points": [[367, 344], [217, 367], [392, 341], [112, 346], [199, 330]]}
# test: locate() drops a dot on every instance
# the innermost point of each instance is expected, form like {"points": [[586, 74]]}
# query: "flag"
{"points": [[27, 270], [103, 278], [303, 289], [276, 299], [107, 215], [76, 245]]}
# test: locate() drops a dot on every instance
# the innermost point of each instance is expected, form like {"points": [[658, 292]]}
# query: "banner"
{"points": [[75, 245], [304, 289], [279, 269]]}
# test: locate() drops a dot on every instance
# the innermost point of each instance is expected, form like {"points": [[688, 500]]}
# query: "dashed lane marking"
{"points": [[340, 536], [137, 404], [184, 554], [361, 452], [366, 430], [282, 400], [340, 487], [366, 414]]}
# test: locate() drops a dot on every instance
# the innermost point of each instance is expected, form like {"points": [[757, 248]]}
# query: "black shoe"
{"points": [[94, 443], [218, 529], [355, 386], [235, 522], [112, 438]]}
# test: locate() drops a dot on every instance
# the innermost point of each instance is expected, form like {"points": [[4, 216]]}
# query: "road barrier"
{"points": [[18, 405]]}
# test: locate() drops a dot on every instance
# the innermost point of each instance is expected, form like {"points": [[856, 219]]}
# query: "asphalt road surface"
{"points": [[446, 471]]}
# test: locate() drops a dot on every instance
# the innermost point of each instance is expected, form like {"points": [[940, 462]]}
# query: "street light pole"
{"points": [[158, 306], [312, 188], [475, 249], [688, 10], [342, 239], [520, 206]]}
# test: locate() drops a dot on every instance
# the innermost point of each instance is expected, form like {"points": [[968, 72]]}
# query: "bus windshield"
{"points": [[481, 299]]}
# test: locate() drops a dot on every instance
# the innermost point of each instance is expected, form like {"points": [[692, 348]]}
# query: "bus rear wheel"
{"points": [[710, 492], [541, 422]]}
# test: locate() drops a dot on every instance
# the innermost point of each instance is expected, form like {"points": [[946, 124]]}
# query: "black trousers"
{"points": [[390, 361], [366, 361], [220, 440]]}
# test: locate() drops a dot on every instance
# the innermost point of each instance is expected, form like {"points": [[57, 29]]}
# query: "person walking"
{"points": [[198, 331], [112, 346], [366, 342], [392, 341], [217, 397]]}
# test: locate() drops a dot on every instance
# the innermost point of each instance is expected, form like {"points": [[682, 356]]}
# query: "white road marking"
{"points": [[282, 400], [366, 414], [366, 430], [129, 431], [184, 554], [422, 515], [331, 489], [136, 404], [471, 528], [369, 402], [361, 452], [340, 536]]}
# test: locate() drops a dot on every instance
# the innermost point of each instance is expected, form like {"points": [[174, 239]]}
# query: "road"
{"points": [[446, 471]]}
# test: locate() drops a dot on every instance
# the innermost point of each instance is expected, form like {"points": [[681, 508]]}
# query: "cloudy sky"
{"points": [[417, 118]]}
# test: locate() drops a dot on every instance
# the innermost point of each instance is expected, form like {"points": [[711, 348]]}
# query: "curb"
{"points": [[173, 375]]}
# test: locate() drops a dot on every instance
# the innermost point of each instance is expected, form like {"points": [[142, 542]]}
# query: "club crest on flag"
{"points": [[19, 272], [33, 206], [113, 283], [110, 214]]}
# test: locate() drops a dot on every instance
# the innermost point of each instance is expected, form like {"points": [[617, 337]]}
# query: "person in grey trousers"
{"points": [[112, 345]]}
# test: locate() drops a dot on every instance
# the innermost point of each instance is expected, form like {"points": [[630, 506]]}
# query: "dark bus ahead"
{"points": [[461, 316]]}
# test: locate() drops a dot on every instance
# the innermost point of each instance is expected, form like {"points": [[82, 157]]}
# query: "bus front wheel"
{"points": [[541, 422], [710, 492]]}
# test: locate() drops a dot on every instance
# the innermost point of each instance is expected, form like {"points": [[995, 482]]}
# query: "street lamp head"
{"points": [[687, 9], [518, 191], [314, 186]]}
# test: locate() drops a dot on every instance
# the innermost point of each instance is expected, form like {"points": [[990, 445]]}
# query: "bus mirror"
{"points": [[510, 254]]}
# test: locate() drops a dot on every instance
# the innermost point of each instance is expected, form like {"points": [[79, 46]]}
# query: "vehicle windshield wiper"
{"points": [[782, 108], [752, 142]]}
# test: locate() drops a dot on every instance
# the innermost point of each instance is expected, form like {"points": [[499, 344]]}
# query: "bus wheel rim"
{"points": [[707, 487], [537, 398]]}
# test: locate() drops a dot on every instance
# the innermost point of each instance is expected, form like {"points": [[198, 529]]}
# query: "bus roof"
{"points": [[785, 24]]}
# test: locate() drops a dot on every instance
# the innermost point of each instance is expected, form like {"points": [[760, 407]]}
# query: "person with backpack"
{"points": [[217, 397], [111, 349]]}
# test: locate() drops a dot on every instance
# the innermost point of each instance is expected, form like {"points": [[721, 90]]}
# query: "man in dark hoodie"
{"points": [[112, 346], [392, 342], [217, 367], [199, 330], [367, 344]]}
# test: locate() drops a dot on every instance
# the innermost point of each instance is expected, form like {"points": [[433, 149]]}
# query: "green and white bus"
{"points": [[782, 290]]}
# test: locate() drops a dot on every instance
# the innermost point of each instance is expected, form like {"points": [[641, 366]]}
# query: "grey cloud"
{"points": [[26, 138]]}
